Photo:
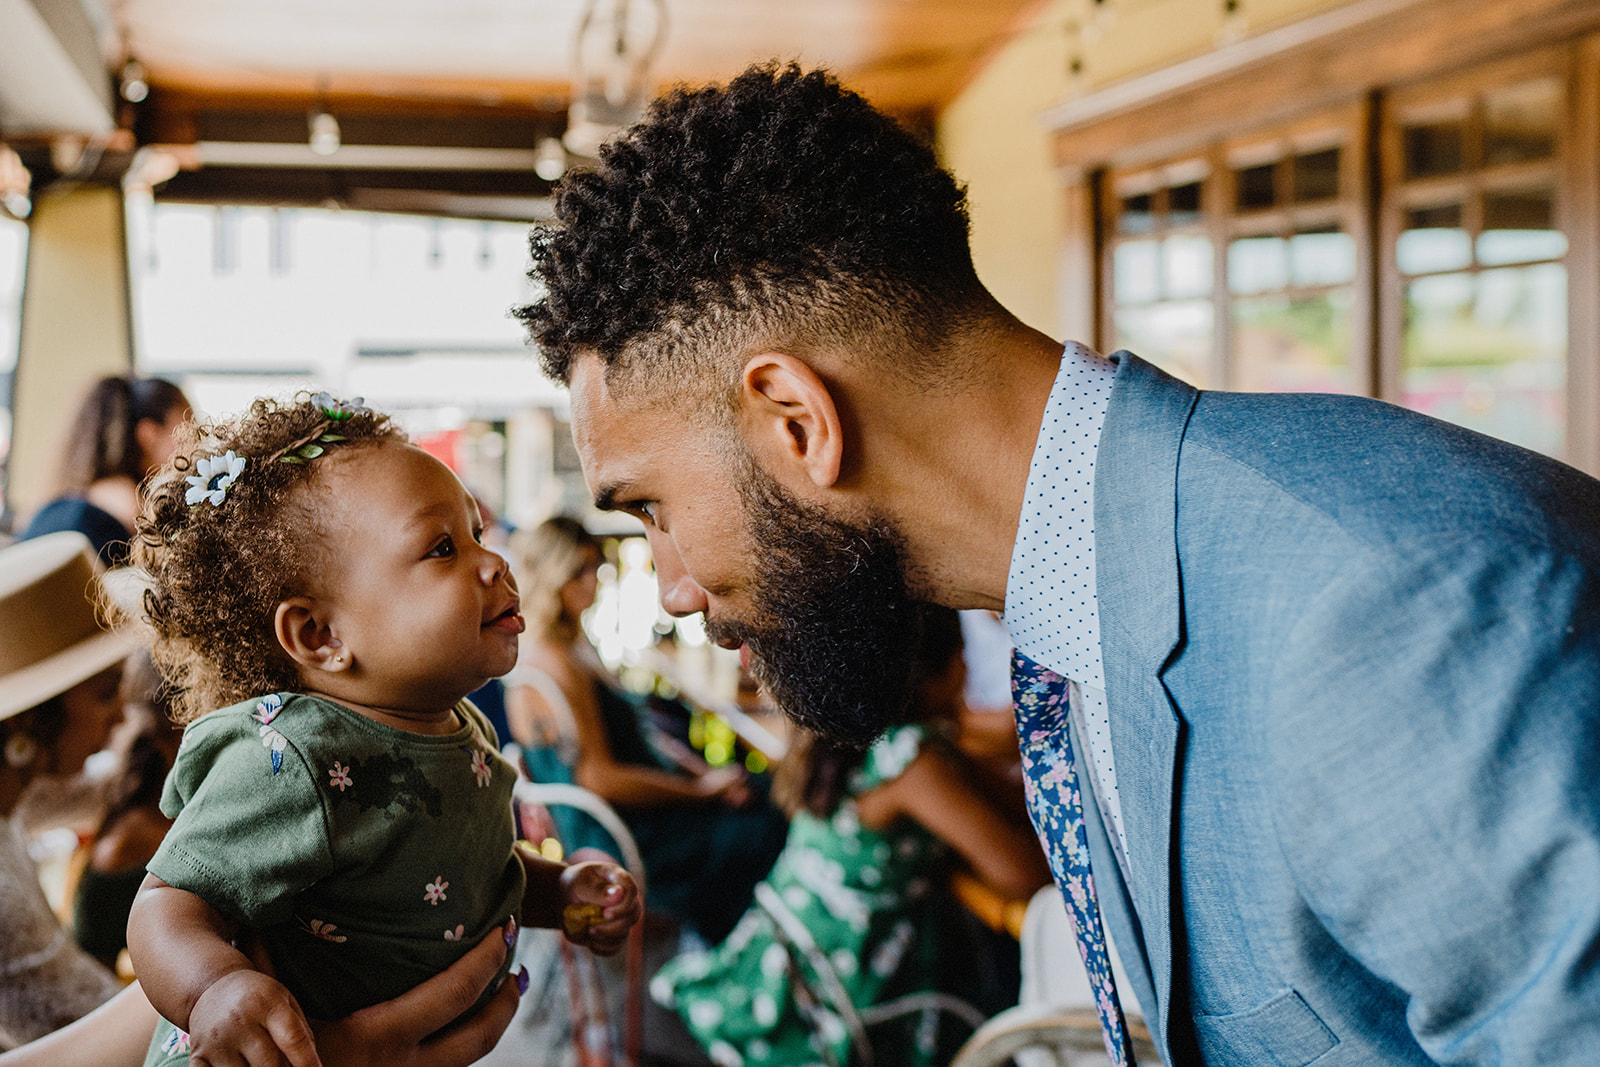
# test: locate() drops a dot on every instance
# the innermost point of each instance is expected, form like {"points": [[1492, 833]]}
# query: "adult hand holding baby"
{"points": [[424, 1026]]}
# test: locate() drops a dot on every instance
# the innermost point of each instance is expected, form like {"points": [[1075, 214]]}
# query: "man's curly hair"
{"points": [[781, 209], [216, 573]]}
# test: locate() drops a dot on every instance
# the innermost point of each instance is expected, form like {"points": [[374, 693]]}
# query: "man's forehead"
{"points": [[603, 428]]}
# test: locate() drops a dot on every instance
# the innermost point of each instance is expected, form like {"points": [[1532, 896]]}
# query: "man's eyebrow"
{"points": [[605, 498]]}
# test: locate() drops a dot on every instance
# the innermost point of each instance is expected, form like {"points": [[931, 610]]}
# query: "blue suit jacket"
{"points": [[1352, 657]]}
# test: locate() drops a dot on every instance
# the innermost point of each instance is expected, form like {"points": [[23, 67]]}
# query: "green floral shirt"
{"points": [[369, 858]]}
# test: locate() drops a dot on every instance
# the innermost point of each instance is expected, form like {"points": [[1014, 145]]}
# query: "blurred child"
{"points": [[322, 605]]}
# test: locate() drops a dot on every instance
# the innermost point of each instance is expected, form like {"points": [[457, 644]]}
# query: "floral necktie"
{"points": [[1050, 778]]}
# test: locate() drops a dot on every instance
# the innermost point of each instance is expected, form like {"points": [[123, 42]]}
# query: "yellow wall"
{"points": [[74, 328], [990, 135], [991, 139]]}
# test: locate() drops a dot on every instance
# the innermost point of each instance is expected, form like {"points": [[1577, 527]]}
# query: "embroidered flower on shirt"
{"points": [[339, 777], [325, 931], [457, 934], [481, 768], [433, 892], [211, 478], [177, 1041], [267, 710]]}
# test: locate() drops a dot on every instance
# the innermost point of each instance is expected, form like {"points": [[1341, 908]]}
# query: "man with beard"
{"points": [[1328, 671]]}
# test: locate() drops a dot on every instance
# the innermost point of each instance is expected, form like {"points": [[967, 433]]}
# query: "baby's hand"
{"points": [[600, 902], [245, 1019]]}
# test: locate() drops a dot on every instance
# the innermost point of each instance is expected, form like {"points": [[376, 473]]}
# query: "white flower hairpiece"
{"points": [[212, 477], [339, 410]]}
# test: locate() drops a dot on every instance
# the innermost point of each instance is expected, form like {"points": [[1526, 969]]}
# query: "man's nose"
{"points": [[680, 594]]}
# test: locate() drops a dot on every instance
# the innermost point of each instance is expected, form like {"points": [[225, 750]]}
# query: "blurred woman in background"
{"points": [[122, 432], [707, 835], [873, 838], [133, 826], [60, 695]]}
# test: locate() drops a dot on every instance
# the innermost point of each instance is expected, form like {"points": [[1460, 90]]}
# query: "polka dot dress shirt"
{"points": [[1051, 610]]}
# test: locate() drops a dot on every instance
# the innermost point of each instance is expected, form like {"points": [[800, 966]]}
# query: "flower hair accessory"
{"points": [[339, 410], [212, 477]]}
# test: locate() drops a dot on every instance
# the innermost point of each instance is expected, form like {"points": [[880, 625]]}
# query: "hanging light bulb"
{"points": [[135, 83], [324, 133], [612, 53], [550, 159], [324, 128]]}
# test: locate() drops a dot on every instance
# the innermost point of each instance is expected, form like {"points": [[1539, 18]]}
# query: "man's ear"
{"points": [[789, 417], [304, 634]]}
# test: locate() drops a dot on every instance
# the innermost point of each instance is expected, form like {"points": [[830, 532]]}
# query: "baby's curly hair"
{"points": [[780, 209], [217, 572]]}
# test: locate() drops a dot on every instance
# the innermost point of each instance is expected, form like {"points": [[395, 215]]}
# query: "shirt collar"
{"points": [[1051, 610]]}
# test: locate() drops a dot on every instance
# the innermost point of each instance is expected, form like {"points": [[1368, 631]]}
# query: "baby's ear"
{"points": [[301, 631]]}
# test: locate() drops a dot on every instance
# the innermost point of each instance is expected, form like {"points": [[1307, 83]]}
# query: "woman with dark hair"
{"points": [[122, 432], [707, 835]]}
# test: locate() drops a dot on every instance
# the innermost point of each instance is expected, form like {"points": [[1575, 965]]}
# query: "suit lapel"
{"points": [[1136, 584]]}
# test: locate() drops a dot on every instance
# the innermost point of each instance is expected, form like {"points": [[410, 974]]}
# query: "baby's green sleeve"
{"points": [[250, 830]]}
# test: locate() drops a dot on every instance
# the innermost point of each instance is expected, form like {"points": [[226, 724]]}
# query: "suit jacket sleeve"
{"points": [[1433, 733]]}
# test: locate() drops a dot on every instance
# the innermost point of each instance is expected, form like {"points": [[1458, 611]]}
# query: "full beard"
{"points": [[836, 632]]}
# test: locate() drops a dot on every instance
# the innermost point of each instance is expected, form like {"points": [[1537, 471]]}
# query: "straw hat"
{"points": [[50, 633]]}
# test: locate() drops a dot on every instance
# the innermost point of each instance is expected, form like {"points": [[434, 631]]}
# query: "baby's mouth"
{"points": [[509, 620]]}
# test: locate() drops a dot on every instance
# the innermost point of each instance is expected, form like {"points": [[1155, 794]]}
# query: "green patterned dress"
{"points": [[866, 897]]}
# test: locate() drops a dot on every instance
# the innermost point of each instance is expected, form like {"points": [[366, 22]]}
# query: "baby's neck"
{"points": [[411, 720]]}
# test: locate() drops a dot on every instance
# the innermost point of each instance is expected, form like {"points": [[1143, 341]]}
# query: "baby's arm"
{"points": [[594, 903], [234, 1014]]}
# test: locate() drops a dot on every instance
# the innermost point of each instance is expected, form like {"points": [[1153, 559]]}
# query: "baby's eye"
{"points": [[444, 549], [477, 535]]}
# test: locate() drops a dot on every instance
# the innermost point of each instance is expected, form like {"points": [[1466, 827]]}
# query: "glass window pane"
{"points": [[1490, 351], [1316, 175], [1136, 215], [1437, 217], [13, 261], [1300, 344], [1520, 121], [1186, 266], [1136, 272], [1183, 204], [1434, 240], [1258, 264], [1175, 335], [1325, 257], [1518, 209], [1256, 186], [1434, 148], [1518, 226], [1499, 247]]}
